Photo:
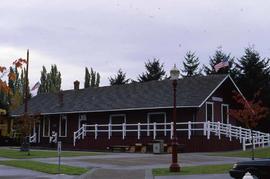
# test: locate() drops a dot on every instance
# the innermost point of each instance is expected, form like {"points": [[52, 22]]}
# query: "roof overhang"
{"points": [[112, 110]]}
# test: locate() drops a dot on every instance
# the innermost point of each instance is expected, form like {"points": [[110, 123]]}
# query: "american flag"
{"points": [[37, 85], [221, 64]]}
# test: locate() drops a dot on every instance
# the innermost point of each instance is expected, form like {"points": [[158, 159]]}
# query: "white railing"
{"points": [[33, 138], [151, 129]]}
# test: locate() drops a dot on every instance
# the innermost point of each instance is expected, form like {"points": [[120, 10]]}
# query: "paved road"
{"points": [[214, 176], [142, 161], [124, 165]]}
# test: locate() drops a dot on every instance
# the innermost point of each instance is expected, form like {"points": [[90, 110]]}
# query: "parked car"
{"points": [[258, 168]]}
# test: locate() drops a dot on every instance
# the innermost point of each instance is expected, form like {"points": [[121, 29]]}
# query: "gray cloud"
{"points": [[108, 35]]}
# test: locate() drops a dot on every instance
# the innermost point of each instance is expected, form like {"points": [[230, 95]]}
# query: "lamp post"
{"points": [[174, 165]]}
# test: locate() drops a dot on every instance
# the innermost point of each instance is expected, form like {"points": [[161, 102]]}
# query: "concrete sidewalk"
{"points": [[12, 172]]}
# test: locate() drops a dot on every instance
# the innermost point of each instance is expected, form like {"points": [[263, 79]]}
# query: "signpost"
{"points": [[59, 148]]}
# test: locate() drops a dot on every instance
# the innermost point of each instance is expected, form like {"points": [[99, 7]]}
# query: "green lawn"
{"points": [[193, 170], [17, 154], [259, 153], [44, 167]]}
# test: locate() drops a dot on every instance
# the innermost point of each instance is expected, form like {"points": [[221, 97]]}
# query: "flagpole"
{"points": [[26, 85]]}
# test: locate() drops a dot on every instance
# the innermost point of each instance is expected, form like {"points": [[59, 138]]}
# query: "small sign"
{"points": [[218, 99], [59, 147]]}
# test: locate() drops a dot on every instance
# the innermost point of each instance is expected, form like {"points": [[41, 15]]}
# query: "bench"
{"points": [[119, 148]]}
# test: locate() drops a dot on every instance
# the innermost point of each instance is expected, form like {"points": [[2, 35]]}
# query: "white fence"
{"points": [[151, 129]]}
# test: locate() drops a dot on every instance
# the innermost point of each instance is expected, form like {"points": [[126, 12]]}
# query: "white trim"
{"points": [[214, 90], [64, 117], [228, 76], [228, 116], [112, 110], [43, 126], [117, 115], [82, 117], [212, 111]]}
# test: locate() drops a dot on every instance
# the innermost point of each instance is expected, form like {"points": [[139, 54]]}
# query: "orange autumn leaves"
{"points": [[251, 112], [12, 76]]}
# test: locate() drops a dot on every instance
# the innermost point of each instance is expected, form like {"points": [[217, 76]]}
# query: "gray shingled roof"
{"points": [[191, 92]]}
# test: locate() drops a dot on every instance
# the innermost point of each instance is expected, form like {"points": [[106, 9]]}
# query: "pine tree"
{"points": [[191, 65], [254, 75], [154, 71], [119, 78], [218, 57]]}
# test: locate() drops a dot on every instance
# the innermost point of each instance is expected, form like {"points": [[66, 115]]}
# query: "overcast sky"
{"points": [[112, 34]]}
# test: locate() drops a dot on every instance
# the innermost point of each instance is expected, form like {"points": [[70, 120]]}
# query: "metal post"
{"points": [[59, 148], [174, 165]]}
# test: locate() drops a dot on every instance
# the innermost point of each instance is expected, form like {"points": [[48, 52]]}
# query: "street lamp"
{"points": [[174, 165]]}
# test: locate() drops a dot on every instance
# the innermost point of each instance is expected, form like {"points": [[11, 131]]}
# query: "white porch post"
{"points": [[139, 130], [189, 129], [96, 131]]}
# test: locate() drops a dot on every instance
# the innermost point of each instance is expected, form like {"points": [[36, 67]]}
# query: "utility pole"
{"points": [[26, 85]]}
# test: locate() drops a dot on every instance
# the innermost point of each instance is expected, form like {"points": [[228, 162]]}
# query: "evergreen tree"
{"points": [[119, 78], [191, 65], [86, 78], [154, 71], [218, 57], [254, 75]]}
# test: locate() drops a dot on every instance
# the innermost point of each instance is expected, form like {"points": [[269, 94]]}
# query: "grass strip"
{"points": [[17, 154], [44, 167], [194, 170], [258, 153]]}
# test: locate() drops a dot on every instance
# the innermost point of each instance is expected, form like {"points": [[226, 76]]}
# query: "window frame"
{"points": [[43, 126], [228, 116], [117, 115], [60, 126], [156, 113], [213, 114], [82, 117]]}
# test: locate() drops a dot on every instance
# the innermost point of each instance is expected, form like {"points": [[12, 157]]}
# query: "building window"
{"points": [[63, 126], [225, 113], [117, 119], [157, 117], [82, 120], [46, 126], [209, 111]]}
